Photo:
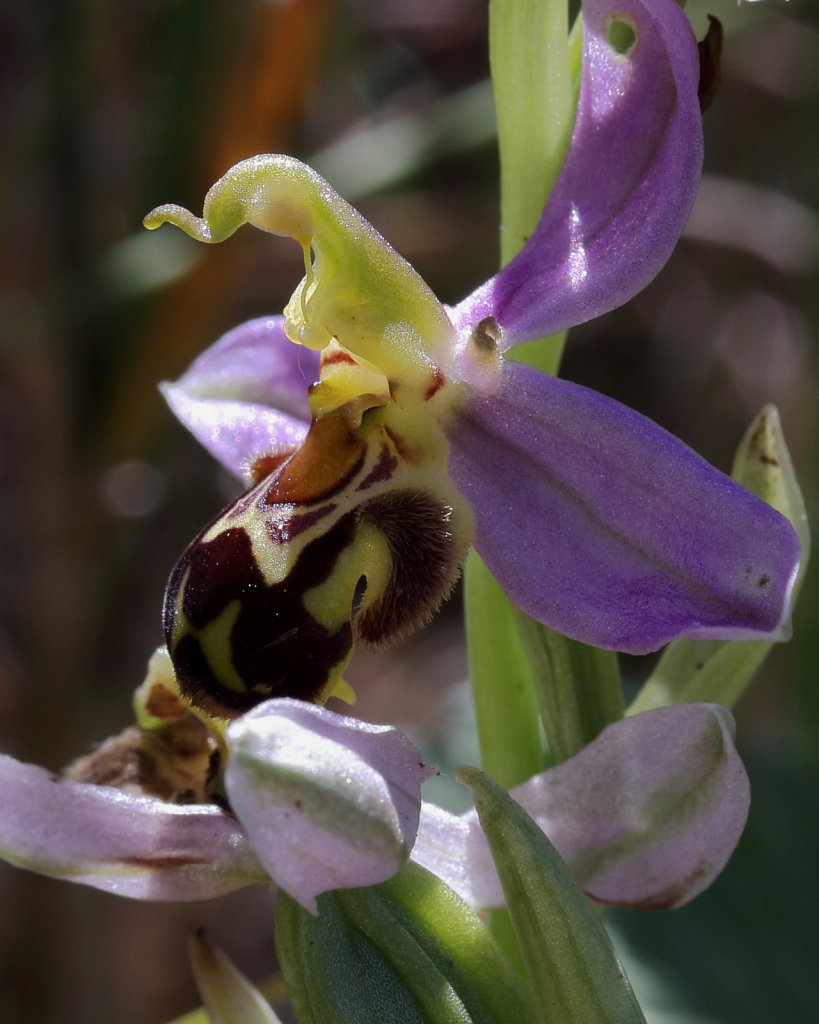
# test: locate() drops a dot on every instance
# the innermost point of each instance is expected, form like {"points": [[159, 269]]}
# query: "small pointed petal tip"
{"points": [[227, 995]]}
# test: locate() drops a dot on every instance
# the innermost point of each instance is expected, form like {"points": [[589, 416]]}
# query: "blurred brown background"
{"points": [[110, 109]]}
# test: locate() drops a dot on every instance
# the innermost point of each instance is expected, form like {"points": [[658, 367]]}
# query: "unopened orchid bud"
{"points": [[763, 464]]}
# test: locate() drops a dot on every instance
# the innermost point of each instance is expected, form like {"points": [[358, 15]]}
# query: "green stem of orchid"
{"points": [[531, 80], [535, 97], [578, 687], [533, 100], [502, 684]]}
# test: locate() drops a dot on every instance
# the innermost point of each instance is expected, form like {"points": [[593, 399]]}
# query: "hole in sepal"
{"points": [[621, 34]]}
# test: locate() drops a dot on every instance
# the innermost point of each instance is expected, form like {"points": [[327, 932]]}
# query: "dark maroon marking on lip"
{"points": [[382, 470], [438, 380], [294, 658], [339, 356], [277, 648], [221, 570], [265, 465], [200, 685], [287, 529]]}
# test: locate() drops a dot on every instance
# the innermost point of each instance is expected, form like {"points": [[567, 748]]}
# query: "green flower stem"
{"points": [[531, 80], [535, 83], [502, 684], [578, 687], [533, 99], [535, 80]]}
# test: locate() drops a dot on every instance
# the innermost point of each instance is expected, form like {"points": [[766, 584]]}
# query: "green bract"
{"points": [[406, 952]]}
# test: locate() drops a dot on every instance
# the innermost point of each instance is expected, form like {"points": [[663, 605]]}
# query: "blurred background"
{"points": [[110, 109]]}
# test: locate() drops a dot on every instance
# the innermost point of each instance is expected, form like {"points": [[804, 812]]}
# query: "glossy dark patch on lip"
{"points": [[221, 570], [281, 532], [381, 471], [277, 649]]}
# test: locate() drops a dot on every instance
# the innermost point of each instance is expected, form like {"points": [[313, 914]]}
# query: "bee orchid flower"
{"points": [[381, 433]]}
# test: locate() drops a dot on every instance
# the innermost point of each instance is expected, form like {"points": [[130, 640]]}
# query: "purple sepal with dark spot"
{"points": [[607, 528]]}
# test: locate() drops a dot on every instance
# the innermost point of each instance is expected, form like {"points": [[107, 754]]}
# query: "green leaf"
{"points": [[578, 687], [405, 951], [573, 969]]}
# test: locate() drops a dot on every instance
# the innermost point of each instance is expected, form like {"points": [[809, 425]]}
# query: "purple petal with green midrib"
{"points": [[626, 188], [123, 843], [605, 527], [245, 397]]}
